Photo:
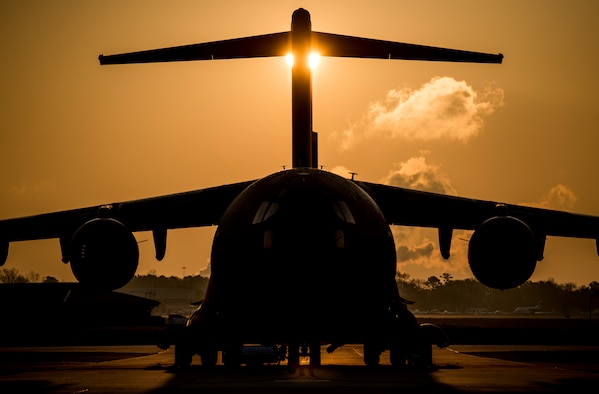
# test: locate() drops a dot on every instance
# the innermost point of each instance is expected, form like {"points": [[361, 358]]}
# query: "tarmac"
{"points": [[147, 369]]}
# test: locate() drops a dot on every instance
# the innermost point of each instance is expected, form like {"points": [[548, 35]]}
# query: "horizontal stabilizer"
{"points": [[348, 46], [277, 44]]}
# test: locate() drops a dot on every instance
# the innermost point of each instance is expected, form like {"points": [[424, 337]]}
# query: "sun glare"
{"points": [[313, 59], [289, 59]]}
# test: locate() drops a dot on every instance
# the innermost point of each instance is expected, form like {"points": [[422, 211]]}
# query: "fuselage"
{"points": [[301, 253]]}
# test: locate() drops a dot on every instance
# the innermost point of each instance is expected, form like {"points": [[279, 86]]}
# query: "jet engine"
{"points": [[103, 254], [502, 252]]}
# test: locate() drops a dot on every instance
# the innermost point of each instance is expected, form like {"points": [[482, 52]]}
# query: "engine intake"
{"points": [[104, 254], [503, 252]]}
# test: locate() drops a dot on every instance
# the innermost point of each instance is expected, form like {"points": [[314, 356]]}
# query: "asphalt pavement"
{"points": [[147, 369]]}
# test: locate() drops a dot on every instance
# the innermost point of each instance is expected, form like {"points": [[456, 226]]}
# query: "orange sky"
{"points": [[76, 134]]}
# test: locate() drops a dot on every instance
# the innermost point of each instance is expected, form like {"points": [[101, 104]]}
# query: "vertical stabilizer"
{"points": [[300, 40], [301, 89]]}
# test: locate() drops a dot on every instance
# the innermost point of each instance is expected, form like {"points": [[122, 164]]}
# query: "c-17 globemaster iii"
{"points": [[302, 257]]}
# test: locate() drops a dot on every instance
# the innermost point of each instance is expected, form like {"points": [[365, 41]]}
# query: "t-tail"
{"points": [[301, 41]]}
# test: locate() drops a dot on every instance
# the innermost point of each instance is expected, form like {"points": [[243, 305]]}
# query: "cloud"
{"points": [[406, 254], [418, 253], [342, 171], [559, 197], [418, 248], [416, 173], [443, 108]]}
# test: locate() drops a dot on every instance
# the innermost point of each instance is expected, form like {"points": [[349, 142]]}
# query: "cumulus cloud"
{"points": [[443, 108], [416, 173], [406, 254], [418, 253], [418, 248], [559, 197], [341, 171]]}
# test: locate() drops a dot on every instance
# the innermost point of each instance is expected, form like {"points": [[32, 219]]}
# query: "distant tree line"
{"points": [[438, 294], [153, 281], [12, 275], [443, 294]]}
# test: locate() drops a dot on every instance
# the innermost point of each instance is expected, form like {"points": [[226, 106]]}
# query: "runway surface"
{"points": [[147, 369]]}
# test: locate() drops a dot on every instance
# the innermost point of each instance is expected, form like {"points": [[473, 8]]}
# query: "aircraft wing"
{"points": [[279, 44], [197, 208], [424, 209]]}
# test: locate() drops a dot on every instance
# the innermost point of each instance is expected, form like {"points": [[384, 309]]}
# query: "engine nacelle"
{"points": [[503, 252], [103, 254]]}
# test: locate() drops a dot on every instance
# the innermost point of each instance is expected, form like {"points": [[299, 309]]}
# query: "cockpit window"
{"points": [[343, 212], [266, 210]]}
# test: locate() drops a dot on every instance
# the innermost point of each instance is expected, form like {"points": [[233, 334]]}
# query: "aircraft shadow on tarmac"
{"points": [[327, 378], [469, 368]]}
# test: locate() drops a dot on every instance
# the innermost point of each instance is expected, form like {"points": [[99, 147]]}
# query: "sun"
{"points": [[313, 59]]}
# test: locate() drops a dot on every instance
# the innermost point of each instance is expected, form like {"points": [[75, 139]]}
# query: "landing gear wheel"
{"points": [[183, 355], [372, 356], [315, 359], [209, 357], [293, 358], [398, 357], [423, 356], [232, 356]]}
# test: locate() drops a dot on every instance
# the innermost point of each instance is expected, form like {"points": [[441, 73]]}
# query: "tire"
{"points": [[372, 355], [315, 359], [209, 357], [232, 356], [399, 357], [293, 358], [183, 355]]}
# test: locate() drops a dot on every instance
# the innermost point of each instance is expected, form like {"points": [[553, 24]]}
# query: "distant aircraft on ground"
{"points": [[529, 310], [301, 257]]}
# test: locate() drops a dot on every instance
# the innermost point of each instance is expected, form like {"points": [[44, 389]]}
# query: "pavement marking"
{"points": [[357, 352]]}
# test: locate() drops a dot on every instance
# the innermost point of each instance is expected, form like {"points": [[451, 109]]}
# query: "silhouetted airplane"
{"points": [[529, 310], [301, 257]]}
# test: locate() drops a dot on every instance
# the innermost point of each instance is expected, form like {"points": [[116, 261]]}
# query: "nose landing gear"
{"points": [[296, 351]]}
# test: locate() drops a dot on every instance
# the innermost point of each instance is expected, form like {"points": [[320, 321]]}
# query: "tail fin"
{"points": [[300, 41]]}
